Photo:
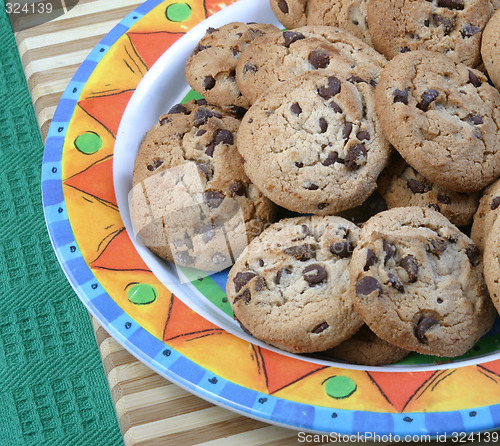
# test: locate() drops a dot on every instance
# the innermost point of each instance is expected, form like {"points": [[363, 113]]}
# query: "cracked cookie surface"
{"points": [[417, 282], [289, 286], [313, 144], [451, 27], [210, 69], [443, 118], [401, 185], [190, 188], [284, 55]]}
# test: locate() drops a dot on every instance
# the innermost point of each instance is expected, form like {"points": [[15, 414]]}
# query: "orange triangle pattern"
{"points": [[120, 255], [213, 6], [96, 180], [493, 366], [184, 323], [400, 390], [108, 110], [281, 370], [150, 46]]}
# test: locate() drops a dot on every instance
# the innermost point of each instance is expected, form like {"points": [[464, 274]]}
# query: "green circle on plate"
{"points": [[88, 143], [178, 12], [340, 387], [142, 294]]}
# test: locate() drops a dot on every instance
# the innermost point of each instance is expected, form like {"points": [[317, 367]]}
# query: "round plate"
{"points": [[180, 324]]}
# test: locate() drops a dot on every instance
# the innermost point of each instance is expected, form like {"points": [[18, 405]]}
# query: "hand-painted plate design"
{"points": [[185, 332]]}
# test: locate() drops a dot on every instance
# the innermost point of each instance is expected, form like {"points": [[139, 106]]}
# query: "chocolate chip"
{"points": [[200, 132], [410, 265], [261, 262], [323, 125], [203, 115], [305, 230], [260, 284], [250, 68], [495, 203], [183, 258], [400, 96], [179, 108], [321, 328], [199, 48], [237, 111], [299, 165], [237, 189], [333, 105], [469, 31], [395, 282], [355, 157], [363, 135], [224, 137], [300, 252], [474, 119], [312, 186], [417, 187], [354, 79], [448, 23], [164, 121], [291, 36], [423, 326], [346, 132], [209, 82], [474, 80], [241, 279], [342, 249], [155, 164], [332, 88], [283, 5], [211, 30], [208, 233], [437, 246], [332, 158], [206, 170], [428, 97], [210, 149], [245, 296], [444, 199], [214, 198], [451, 4], [405, 49], [371, 259], [314, 274], [322, 206], [368, 285], [473, 254], [389, 251], [427, 22], [279, 274], [296, 109], [319, 59]]}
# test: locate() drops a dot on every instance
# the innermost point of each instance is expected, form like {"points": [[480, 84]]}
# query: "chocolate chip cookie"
{"points": [[291, 13], [417, 282], [443, 118], [210, 70], [451, 27], [401, 185], [490, 48], [289, 287], [487, 213], [492, 264], [191, 201], [366, 348], [285, 55], [313, 144]]}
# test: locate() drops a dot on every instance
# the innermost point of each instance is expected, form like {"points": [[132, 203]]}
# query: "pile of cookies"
{"points": [[333, 163]]}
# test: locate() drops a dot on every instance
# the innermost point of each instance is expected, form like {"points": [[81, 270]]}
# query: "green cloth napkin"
{"points": [[53, 389]]}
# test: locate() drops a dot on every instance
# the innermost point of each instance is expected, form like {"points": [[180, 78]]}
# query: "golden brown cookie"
{"points": [[490, 48]]}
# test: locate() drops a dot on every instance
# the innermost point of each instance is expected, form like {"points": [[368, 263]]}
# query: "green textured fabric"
{"points": [[53, 389]]}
